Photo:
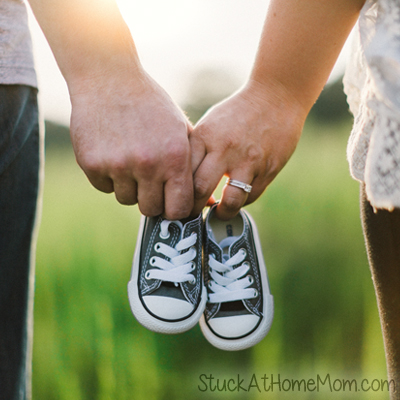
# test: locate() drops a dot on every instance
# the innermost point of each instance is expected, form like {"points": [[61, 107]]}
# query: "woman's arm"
{"points": [[251, 135]]}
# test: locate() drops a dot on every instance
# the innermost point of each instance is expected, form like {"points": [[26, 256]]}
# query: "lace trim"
{"points": [[372, 84], [382, 169]]}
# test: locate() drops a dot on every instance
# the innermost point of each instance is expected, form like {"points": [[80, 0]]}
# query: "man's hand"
{"points": [[248, 137], [129, 137]]}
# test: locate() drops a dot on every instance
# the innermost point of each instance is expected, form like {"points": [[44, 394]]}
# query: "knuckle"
{"points": [[178, 157], [172, 158], [232, 142], [126, 201], [254, 154], [200, 188], [179, 151], [273, 168], [98, 164], [90, 163], [145, 160], [104, 186], [177, 214], [117, 165], [232, 204], [179, 204], [150, 210]]}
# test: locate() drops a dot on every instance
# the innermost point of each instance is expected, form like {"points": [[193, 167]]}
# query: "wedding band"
{"points": [[241, 185]]}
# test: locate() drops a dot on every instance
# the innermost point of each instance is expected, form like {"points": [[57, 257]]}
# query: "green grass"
{"points": [[89, 346]]}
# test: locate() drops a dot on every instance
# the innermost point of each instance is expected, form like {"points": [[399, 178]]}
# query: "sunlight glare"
{"points": [[154, 19]]}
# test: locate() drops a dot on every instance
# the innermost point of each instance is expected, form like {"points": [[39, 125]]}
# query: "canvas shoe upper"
{"points": [[239, 309], [166, 290]]}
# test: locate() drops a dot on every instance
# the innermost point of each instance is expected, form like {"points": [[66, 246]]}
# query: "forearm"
{"points": [[89, 39], [251, 135], [300, 43], [118, 111]]}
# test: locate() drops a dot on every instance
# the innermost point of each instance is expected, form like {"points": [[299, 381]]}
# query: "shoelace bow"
{"points": [[225, 280], [178, 266]]}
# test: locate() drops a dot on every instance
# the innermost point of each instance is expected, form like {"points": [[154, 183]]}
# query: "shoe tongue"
{"points": [[225, 246]]}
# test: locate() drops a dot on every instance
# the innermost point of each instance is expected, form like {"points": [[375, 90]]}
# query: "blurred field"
{"points": [[89, 346]]}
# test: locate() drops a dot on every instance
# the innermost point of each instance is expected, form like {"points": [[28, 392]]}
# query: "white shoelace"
{"points": [[230, 284], [180, 265]]}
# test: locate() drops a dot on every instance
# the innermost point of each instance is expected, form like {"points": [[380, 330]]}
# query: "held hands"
{"points": [[136, 142], [128, 135]]}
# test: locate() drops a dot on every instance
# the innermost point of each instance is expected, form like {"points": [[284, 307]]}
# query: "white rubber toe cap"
{"points": [[234, 327], [167, 307]]}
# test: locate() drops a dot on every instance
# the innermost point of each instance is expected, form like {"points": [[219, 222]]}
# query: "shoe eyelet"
{"points": [[193, 281], [255, 293], [209, 284], [147, 275], [164, 237], [244, 252], [157, 247], [246, 264], [250, 278], [152, 261], [193, 265]]}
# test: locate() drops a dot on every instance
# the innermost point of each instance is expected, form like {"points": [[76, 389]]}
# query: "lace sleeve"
{"points": [[372, 84]]}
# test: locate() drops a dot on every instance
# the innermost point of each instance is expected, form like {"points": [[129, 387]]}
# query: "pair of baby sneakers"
{"points": [[169, 293]]}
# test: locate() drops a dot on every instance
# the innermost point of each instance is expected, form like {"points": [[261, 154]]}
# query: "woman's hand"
{"points": [[249, 137]]}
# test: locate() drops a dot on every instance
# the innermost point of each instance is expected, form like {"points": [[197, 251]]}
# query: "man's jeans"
{"points": [[20, 162]]}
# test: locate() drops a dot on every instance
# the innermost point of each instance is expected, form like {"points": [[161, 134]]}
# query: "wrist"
{"points": [[94, 71], [277, 99]]}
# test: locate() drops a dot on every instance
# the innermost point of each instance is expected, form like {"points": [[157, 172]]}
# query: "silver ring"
{"points": [[241, 185]]}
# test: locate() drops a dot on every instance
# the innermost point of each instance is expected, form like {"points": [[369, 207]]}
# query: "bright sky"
{"points": [[175, 39]]}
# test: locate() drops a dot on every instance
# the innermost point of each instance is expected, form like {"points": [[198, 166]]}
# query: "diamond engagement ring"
{"points": [[241, 185]]}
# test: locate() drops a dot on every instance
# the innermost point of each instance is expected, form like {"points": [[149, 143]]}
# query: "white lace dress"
{"points": [[372, 85]]}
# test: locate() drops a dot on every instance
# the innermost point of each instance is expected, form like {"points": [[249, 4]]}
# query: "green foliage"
{"points": [[57, 136], [331, 106], [89, 346]]}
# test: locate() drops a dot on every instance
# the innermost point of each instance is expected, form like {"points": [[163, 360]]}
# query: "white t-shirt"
{"points": [[372, 85], [16, 58]]}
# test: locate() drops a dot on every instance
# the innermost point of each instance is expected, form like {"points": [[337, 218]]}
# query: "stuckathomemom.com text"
{"points": [[279, 383]]}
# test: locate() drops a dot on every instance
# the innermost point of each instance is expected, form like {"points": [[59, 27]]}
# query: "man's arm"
{"points": [[250, 136], [128, 135]]}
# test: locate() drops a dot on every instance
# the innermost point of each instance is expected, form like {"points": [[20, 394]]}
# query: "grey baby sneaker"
{"points": [[166, 291], [239, 309]]}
